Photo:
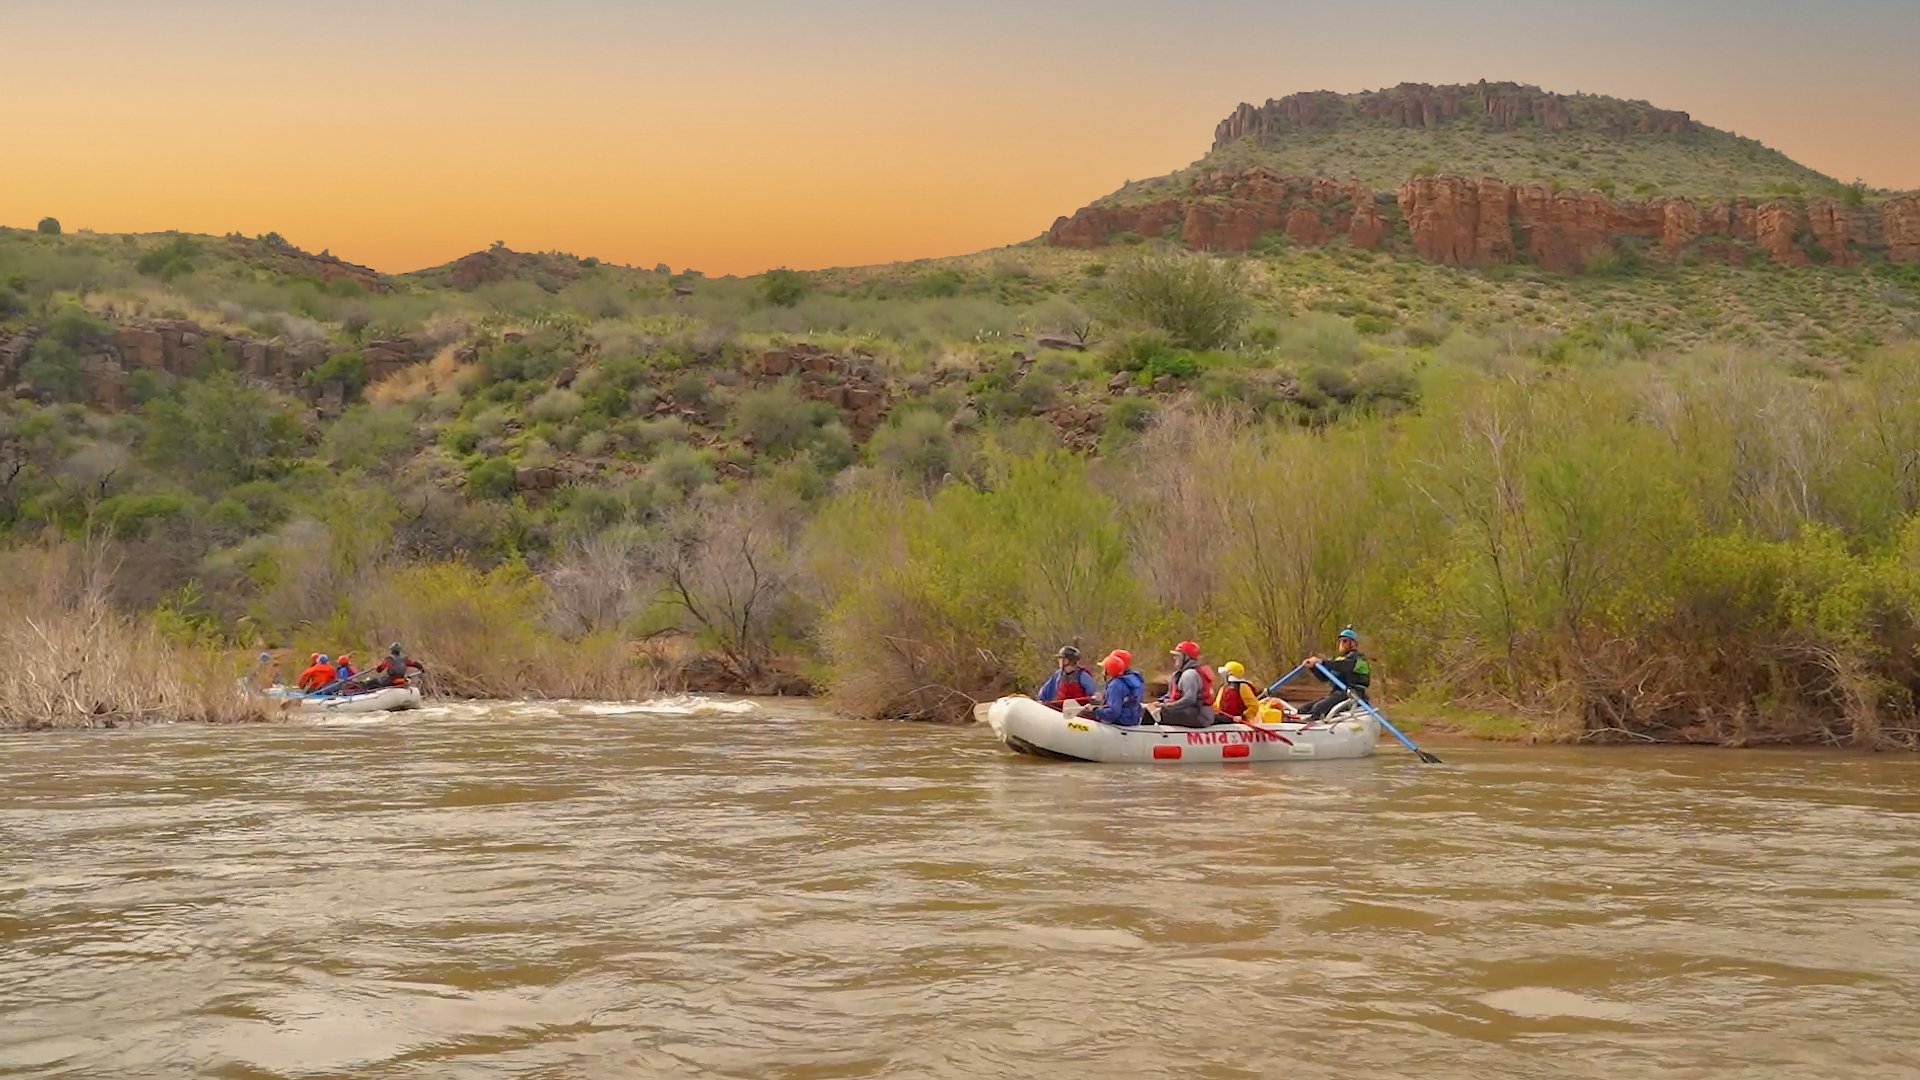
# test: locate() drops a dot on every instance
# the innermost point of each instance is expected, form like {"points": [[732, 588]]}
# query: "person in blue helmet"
{"points": [[1349, 665]]}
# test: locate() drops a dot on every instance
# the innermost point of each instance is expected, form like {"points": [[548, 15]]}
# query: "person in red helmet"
{"points": [[1126, 689], [1189, 690], [317, 675]]}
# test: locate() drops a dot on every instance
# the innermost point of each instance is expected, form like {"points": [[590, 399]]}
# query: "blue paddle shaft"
{"points": [[1281, 681], [1363, 703]]}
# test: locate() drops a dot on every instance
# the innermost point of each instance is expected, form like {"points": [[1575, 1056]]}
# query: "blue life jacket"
{"points": [[1124, 695]]}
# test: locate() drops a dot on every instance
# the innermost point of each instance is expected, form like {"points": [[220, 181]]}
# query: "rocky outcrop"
{"points": [[1902, 223], [551, 270], [281, 257], [1494, 106], [851, 385], [1233, 211], [181, 348], [1461, 221]]}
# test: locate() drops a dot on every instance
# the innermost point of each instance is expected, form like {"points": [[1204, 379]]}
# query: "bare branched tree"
{"points": [[728, 567]]}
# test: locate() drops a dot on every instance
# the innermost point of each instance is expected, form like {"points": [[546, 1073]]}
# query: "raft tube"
{"points": [[1028, 727], [385, 699]]}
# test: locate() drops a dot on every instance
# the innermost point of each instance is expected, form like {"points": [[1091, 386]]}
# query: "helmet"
{"points": [[1232, 669], [394, 648], [1349, 635], [1067, 652], [1125, 656], [1113, 665], [314, 659], [323, 659], [1187, 649]]}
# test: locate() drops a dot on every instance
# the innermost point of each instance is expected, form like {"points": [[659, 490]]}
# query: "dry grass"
{"points": [[73, 661], [444, 372]]}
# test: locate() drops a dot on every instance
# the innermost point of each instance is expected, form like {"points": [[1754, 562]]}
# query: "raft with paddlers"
{"points": [[1029, 727], [1204, 716], [325, 688], [385, 699]]}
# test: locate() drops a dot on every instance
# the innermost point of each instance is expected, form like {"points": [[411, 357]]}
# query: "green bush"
{"points": [[1198, 301], [915, 445], [169, 260], [348, 368], [491, 479], [218, 433], [50, 226], [783, 287], [777, 422]]}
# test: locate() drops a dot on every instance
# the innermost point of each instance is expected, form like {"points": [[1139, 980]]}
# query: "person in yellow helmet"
{"points": [[1237, 700]]}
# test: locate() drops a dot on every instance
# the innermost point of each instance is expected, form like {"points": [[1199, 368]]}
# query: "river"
{"points": [[580, 890]]}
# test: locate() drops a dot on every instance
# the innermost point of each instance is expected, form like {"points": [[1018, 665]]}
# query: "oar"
{"points": [[1282, 681], [1363, 703]]}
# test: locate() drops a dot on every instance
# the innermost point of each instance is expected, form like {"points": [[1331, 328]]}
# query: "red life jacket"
{"points": [[1206, 684], [1232, 701], [1065, 689]]}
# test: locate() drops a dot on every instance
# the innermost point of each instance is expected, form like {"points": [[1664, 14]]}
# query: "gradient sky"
{"points": [[735, 135]]}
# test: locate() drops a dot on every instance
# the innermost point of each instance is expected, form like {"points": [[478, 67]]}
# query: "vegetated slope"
{"points": [[583, 479], [1494, 174]]}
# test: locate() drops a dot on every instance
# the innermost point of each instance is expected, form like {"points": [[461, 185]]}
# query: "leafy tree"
{"points": [[1198, 301], [53, 367], [50, 226], [220, 433], [783, 287]]}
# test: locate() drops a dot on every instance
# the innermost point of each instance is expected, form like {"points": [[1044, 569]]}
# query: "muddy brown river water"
{"points": [[584, 890]]}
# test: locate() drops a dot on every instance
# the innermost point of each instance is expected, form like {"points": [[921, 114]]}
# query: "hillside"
{"points": [[565, 477], [1490, 174]]}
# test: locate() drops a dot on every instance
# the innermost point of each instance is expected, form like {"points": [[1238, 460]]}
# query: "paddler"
{"points": [[1069, 682], [1348, 665], [318, 674]]}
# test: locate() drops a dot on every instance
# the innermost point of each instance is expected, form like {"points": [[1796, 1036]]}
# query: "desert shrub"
{"points": [[1321, 339], [933, 604], [682, 470], [53, 366], [556, 406], [483, 634], [50, 226], [1198, 301], [171, 259], [370, 437], [916, 446], [783, 287], [521, 361], [348, 368], [491, 479], [219, 432], [778, 422]]}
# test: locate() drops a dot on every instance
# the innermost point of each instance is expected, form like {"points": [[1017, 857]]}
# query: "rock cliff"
{"points": [[179, 347], [1462, 221], [1495, 106]]}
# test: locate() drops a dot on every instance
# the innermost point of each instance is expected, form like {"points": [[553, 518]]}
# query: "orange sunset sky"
{"points": [[736, 135]]}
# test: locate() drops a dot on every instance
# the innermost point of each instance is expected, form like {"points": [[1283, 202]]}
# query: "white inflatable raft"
{"points": [[386, 699], [1028, 727]]}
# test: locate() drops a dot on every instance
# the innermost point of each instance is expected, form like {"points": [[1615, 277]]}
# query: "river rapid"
{"points": [[758, 889]]}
